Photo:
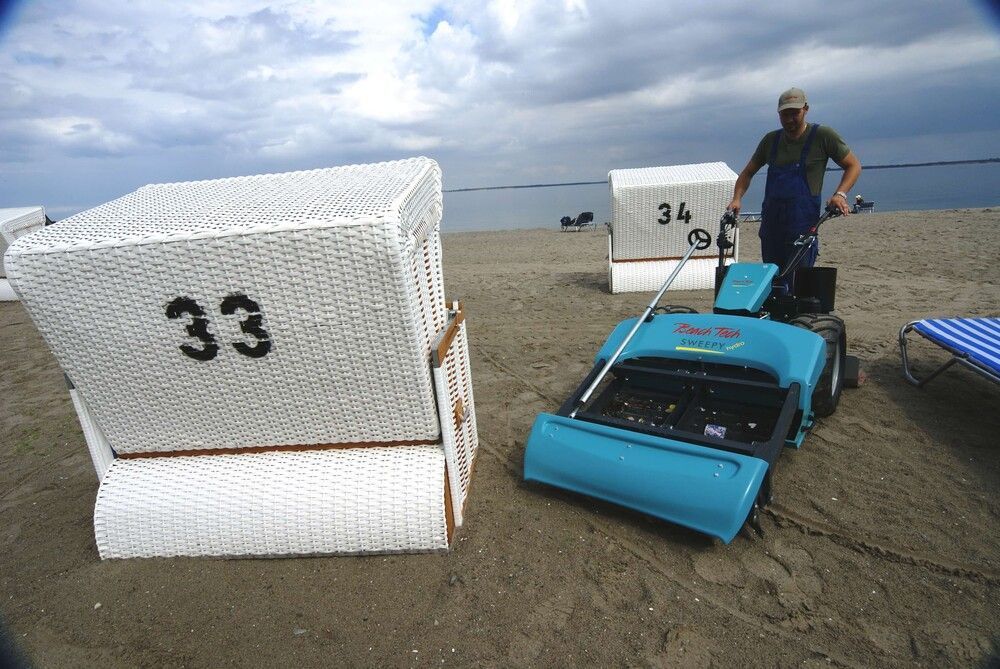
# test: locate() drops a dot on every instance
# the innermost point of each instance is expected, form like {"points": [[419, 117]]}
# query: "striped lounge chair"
{"points": [[972, 342]]}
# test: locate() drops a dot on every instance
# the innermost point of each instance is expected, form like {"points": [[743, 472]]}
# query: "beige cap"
{"points": [[793, 98]]}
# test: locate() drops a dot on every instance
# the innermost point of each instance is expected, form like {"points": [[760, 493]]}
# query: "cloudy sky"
{"points": [[98, 97]]}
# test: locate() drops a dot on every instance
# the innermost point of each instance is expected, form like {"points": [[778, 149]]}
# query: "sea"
{"points": [[968, 186]]}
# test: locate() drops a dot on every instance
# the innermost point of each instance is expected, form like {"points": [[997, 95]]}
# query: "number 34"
{"points": [[198, 327]]}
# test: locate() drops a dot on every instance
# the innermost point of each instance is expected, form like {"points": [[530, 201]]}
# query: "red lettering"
{"points": [[688, 329], [685, 328]]}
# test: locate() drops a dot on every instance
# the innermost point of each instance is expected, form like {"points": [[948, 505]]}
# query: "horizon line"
{"points": [[888, 166]]}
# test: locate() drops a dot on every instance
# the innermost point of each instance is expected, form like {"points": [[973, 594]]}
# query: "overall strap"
{"points": [[774, 147], [808, 145]]}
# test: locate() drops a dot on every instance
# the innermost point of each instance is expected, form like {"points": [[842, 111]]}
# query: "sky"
{"points": [[99, 97]]}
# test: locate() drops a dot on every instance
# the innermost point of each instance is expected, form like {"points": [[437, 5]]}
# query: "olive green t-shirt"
{"points": [[826, 144]]}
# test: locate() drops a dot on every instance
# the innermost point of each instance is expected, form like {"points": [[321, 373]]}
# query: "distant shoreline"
{"points": [[980, 161], [890, 166], [599, 229]]}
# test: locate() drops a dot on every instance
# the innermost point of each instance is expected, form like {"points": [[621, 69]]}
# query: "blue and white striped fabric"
{"points": [[979, 338]]}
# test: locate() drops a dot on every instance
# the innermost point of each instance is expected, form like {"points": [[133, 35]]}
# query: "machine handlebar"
{"points": [[728, 222], [807, 237]]}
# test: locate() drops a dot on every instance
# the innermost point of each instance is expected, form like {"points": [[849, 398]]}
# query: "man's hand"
{"points": [[734, 206], [852, 169], [839, 202]]}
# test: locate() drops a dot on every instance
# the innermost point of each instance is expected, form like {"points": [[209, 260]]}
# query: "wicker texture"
{"points": [[344, 263], [637, 196], [15, 223], [628, 277], [337, 281], [355, 500]]}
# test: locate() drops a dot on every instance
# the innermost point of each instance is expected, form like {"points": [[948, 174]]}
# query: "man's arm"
{"points": [[743, 183], [852, 170]]}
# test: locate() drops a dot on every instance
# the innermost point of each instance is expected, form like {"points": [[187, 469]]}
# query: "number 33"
{"points": [[198, 327]]}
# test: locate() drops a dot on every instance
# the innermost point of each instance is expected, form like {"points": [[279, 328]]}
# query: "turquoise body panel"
{"points": [[709, 490], [789, 353], [706, 489], [746, 286]]}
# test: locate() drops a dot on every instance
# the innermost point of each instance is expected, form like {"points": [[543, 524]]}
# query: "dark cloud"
{"points": [[622, 48], [154, 92]]}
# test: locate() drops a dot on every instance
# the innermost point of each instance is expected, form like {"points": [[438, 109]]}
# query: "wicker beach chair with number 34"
{"points": [[263, 365]]}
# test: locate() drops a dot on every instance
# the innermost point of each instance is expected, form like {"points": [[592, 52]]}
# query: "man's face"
{"points": [[792, 120]]}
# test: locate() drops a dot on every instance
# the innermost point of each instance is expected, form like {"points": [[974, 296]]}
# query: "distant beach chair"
{"points": [[15, 223], [20, 221], [584, 220], [863, 207], [750, 217], [653, 210], [972, 342]]}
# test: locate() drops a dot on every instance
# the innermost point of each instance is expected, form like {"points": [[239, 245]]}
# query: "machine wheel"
{"points": [[831, 381], [675, 309]]}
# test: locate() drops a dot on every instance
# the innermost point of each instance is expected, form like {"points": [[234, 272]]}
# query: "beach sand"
{"points": [[881, 546]]}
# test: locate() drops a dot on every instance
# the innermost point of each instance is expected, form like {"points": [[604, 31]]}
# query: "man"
{"points": [[796, 157]]}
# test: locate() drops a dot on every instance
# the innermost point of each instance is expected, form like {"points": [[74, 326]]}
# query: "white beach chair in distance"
{"points": [[263, 365], [653, 211], [16, 222]]}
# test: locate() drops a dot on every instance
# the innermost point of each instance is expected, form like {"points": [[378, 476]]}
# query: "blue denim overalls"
{"points": [[789, 207]]}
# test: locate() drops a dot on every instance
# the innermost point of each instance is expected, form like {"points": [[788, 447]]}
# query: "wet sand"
{"points": [[880, 548]]}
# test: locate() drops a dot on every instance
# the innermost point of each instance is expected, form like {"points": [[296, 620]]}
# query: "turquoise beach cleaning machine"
{"points": [[684, 414]]}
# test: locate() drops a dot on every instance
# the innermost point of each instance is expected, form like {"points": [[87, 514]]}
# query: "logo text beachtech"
{"points": [[722, 333]]}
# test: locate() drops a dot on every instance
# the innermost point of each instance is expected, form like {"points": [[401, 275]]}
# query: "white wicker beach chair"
{"points": [[263, 365], [14, 223], [653, 210]]}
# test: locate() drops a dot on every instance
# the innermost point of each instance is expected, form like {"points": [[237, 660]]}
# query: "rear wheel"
{"points": [[831, 381]]}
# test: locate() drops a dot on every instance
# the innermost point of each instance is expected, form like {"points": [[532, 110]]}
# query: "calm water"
{"points": [[941, 187]]}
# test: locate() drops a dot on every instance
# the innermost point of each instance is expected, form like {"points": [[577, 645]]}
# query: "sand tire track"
{"points": [[819, 528]]}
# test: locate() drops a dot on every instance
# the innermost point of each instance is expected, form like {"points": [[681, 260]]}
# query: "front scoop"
{"points": [[708, 490]]}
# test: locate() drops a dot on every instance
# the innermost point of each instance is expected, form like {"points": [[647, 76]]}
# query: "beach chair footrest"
{"points": [[336, 501]]}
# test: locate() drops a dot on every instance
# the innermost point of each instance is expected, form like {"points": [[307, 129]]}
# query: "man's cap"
{"points": [[793, 98]]}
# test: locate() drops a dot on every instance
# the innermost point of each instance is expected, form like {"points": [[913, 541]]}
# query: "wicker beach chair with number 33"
{"points": [[263, 365]]}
